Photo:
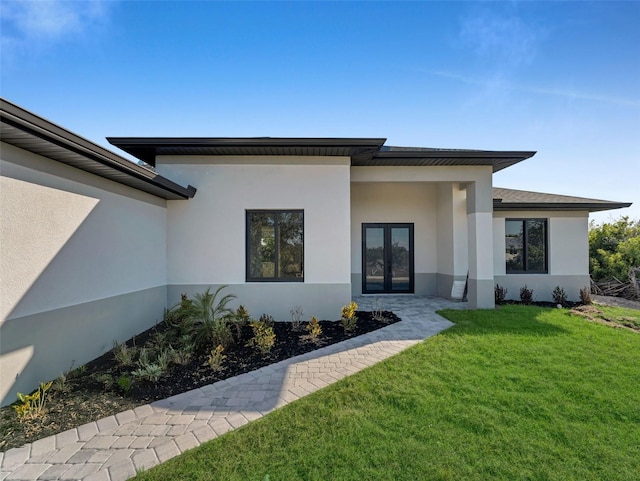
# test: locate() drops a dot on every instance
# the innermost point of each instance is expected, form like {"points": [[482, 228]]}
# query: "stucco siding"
{"points": [[69, 238], [394, 202], [567, 252], [207, 235]]}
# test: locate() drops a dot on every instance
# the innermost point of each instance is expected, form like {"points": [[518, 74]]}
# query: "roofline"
{"points": [[364, 151], [37, 126], [455, 153], [240, 141], [498, 205], [146, 148]]}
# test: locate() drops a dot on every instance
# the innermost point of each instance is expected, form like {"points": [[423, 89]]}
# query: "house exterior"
{"points": [[94, 247]]}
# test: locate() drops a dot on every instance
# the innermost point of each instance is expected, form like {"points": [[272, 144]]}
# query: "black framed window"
{"points": [[275, 245], [526, 246]]}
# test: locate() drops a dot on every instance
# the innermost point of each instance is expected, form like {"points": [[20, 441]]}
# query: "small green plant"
{"points": [[159, 340], [181, 356], [377, 311], [144, 358], [349, 317], [60, 383], [263, 337], [559, 296], [216, 358], [124, 355], [585, 296], [314, 329], [267, 320], [526, 295], [32, 405], [239, 320], [296, 318], [209, 316], [125, 383], [164, 359], [150, 372], [221, 332], [500, 294], [106, 380]]}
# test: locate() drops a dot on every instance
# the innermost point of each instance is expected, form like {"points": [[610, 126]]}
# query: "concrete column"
{"points": [[480, 239]]}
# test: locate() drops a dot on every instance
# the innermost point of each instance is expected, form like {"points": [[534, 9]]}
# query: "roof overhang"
{"points": [[394, 156], [521, 200], [31, 132], [362, 151], [147, 148]]}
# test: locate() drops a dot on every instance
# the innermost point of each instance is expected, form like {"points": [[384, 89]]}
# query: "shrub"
{"points": [[106, 380], [124, 383], [150, 372], [209, 316], [263, 337], [296, 318], [526, 295], [559, 296], [314, 329], [239, 320], [267, 320], [216, 358], [585, 296], [500, 294], [181, 356], [221, 332], [163, 359], [32, 405], [124, 355], [378, 310], [349, 317]]}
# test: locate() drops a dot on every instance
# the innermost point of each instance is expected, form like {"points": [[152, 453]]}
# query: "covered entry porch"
{"points": [[416, 230]]}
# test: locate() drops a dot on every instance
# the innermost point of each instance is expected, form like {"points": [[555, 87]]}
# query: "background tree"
{"points": [[614, 248]]}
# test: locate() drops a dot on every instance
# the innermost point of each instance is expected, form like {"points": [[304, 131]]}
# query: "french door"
{"points": [[387, 258]]}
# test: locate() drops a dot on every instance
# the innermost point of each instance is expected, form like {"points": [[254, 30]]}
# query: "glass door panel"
{"points": [[374, 260], [400, 265], [387, 258]]}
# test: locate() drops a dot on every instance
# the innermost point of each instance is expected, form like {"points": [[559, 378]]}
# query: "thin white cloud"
{"points": [[45, 22], [500, 83], [503, 39]]}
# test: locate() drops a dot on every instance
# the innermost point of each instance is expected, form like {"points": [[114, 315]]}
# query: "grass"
{"points": [[519, 393]]}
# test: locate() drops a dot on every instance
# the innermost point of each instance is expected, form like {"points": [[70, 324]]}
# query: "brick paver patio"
{"points": [[113, 448]]}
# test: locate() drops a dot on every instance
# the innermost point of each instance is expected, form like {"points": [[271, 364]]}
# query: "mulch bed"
{"points": [[84, 398]]}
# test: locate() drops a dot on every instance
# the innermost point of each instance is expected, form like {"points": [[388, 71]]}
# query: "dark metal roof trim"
{"points": [[404, 156], [512, 199], [31, 132], [147, 148]]}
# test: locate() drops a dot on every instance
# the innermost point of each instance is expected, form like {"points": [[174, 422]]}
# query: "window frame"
{"points": [[276, 250], [525, 245]]}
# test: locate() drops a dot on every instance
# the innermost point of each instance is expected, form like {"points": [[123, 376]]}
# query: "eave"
{"points": [[30, 132]]}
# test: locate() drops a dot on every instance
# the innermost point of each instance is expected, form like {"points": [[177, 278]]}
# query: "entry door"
{"points": [[387, 258]]}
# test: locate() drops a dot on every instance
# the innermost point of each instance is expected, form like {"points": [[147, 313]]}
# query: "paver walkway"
{"points": [[113, 448]]}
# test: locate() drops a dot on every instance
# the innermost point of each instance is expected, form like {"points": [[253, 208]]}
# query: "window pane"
{"points": [[536, 256], [290, 242], [262, 245], [514, 241]]}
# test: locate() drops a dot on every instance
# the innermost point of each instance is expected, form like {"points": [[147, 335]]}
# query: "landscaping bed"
{"points": [[106, 385]]}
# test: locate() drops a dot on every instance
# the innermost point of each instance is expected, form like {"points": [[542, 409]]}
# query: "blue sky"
{"points": [[562, 78]]}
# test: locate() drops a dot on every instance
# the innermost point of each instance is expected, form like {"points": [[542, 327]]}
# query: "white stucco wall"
{"points": [[568, 254], [393, 202], [206, 236], [67, 239]]}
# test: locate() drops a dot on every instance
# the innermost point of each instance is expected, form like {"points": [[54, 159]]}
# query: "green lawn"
{"points": [[519, 393]]}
